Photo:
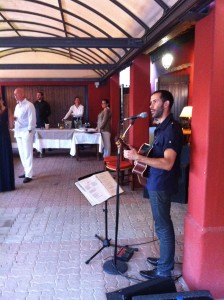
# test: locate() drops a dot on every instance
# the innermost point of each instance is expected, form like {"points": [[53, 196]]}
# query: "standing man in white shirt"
{"points": [[76, 110], [25, 123]]}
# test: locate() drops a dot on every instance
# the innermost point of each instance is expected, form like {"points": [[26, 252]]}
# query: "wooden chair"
{"points": [[126, 167]]}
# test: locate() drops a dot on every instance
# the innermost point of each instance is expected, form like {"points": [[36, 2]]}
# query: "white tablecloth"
{"points": [[86, 138], [53, 138], [64, 139]]}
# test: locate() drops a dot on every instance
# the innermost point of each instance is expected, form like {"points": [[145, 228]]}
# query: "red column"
{"points": [[115, 107], [203, 266], [139, 99]]}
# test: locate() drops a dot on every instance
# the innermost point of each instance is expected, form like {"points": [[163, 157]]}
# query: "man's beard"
{"points": [[159, 112]]}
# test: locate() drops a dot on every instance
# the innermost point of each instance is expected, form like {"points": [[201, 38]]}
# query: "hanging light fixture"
{"points": [[167, 60]]}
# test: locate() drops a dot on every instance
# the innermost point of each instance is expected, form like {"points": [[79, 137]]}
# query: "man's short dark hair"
{"points": [[42, 94], [165, 96]]}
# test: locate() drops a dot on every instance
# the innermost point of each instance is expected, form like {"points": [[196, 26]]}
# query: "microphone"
{"points": [[141, 115]]}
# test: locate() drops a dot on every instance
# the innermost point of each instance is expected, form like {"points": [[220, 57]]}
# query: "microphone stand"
{"points": [[114, 266], [129, 126]]}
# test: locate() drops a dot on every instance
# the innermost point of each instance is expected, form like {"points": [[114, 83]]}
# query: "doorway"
{"points": [[179, 87]]}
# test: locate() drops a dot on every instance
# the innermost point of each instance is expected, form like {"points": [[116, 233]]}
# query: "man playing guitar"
{"points": [[162, 181]]}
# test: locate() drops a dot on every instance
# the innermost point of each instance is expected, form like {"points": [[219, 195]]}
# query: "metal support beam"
{"points": [[43, 42], [164, 26], [56, 66]]}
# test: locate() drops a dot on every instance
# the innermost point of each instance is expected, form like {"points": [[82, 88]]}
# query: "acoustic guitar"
{"points": [[140, 169]]}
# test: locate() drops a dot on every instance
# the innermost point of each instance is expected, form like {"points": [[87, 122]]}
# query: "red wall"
{"points": [[95, 95], [204, 223], [139, 99]]}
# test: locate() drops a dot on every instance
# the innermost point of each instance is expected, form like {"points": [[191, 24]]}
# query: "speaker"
{"points": [[193, 295], [154, 286]]}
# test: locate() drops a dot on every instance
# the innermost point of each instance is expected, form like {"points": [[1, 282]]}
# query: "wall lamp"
{"points": [[96, 84], [186, 114], [167, 60]]}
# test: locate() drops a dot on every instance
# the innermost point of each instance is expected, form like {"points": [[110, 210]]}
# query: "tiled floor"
{"points": [[47, 232]]}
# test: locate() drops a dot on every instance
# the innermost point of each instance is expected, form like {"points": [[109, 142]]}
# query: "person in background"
{"points": [[104, 126], [76, 110], [7, 178], [25, 123], [162, 182], [43, 110]]}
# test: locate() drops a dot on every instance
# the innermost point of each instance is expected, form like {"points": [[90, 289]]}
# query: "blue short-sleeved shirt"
{"points": [[168, 135]]}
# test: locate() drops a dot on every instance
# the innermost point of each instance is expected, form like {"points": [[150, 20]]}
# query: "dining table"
{"points": [[55, 138], [72, 139], [86, 137]]}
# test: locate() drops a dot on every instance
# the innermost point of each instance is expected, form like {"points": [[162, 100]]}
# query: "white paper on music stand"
{"points": [[98, 187]]}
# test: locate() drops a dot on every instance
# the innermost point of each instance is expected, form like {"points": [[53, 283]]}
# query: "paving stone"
{"points": [[47, 233]]}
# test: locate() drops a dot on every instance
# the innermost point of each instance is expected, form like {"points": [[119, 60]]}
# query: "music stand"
{"points": [[105, 241]]}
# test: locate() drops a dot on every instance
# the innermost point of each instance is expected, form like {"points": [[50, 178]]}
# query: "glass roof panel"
{"points": [[26, 17], [4, 25], [95, 31], [145, 10], [8, 33], [94, 19], [107, 16], [72, 31], [30, 29], [170, 2], [32, 7]]}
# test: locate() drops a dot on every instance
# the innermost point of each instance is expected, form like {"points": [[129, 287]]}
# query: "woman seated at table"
{"points": [[77, 111], [104, 126]]}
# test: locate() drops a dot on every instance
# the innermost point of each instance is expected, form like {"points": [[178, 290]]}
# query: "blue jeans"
{"points": [[160, 204]]}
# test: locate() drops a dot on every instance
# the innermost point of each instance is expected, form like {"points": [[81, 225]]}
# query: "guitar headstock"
{"points": [[120, 143]]}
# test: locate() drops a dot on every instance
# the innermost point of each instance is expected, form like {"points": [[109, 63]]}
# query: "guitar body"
{"points": [[140, 169]]}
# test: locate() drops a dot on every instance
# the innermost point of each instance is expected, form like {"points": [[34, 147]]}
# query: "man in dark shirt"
{"points": [[162, 182], [43, 110]]}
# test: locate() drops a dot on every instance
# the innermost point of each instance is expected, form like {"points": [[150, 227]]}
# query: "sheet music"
{"points": [[110, 183], [98, 188]]}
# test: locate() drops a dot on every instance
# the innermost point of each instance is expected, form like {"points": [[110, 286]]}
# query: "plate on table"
{"points": [[80, 129], [91, 130]]}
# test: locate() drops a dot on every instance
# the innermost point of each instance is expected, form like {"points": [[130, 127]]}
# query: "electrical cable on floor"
{"points": [[175, 278], [154, 239], [131, 278], [131, 245]]}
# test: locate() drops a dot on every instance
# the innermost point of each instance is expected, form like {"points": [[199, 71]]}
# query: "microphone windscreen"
{"points": [[144, 115]]}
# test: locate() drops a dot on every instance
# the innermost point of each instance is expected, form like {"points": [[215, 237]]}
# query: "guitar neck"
{"points": [[123, 144]]}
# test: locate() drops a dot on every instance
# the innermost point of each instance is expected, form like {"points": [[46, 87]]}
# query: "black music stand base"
{"points": [[106, 243], [110, 267]]}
